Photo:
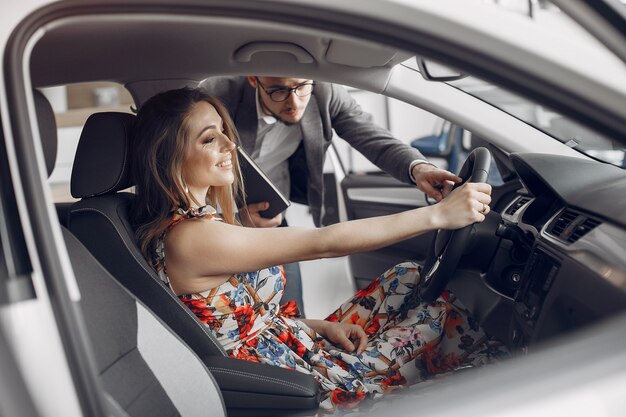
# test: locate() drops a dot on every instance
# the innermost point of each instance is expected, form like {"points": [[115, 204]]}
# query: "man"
{"points": [[287, 124]]}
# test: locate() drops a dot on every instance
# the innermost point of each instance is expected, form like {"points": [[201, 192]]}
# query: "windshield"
{"points": [[552, 123], [562, 128]]}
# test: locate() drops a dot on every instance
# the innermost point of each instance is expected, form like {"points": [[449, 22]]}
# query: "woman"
{"points": [[381, 339]]}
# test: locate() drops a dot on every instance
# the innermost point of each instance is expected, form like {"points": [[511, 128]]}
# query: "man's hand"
{"points": [[435, 182], [250, 217]]}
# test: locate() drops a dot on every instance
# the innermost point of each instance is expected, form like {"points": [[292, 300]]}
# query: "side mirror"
{"points": [[433, 71]]}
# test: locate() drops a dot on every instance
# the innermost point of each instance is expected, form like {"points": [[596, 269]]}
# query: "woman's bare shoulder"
{"points": [[189, 231]]}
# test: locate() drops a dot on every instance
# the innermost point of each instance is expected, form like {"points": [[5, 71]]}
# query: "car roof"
{"points": [[150, 46], [138, 48]]}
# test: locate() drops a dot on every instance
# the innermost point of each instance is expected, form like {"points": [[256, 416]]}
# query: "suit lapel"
{"points": [[246, 119], [313, 140], [312, 137]]}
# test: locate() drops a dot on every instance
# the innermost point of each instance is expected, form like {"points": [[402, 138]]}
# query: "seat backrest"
{"points": [[47, 129], [100, 220], [146, 370], [49, 143]]}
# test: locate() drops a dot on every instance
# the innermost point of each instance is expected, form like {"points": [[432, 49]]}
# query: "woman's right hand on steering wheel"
{"points": [[465, 205]]}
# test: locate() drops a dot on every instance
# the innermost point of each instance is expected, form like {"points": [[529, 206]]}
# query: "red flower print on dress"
{"points": [[436, 363], [332, 317], [346, 399], [290, 309], [373, 326], [453, 324], [204, 313], [368, 290], [395, 380], [357, 319], [244, 354], [292, 343], [245, 319]]}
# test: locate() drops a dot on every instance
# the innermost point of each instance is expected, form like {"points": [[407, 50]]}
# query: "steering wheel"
{"points": [[448, 245]]}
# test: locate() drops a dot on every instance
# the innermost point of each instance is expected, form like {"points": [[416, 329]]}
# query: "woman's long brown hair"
{"points": [[159, 145]]}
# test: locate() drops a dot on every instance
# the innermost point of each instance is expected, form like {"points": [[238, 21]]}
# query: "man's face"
{"points": [[292, 109]]}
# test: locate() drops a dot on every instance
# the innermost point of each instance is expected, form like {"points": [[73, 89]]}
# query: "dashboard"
{"points": [[560, 260]]}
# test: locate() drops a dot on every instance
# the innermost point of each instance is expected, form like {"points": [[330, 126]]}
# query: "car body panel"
{"points": [[120, 45]]}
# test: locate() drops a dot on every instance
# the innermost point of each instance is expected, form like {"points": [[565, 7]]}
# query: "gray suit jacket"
{"points": [[331, 107]]}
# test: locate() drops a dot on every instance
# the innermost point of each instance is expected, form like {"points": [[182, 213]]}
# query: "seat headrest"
{"points": [[102, 161], [47, 129]]}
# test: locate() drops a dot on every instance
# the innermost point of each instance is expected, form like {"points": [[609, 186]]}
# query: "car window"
{"points": [[444, 143], [554, 124], [406, 122], [559, 127], [72, 105]]}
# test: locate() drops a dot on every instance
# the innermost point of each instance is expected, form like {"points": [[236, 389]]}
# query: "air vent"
{"points": [[582, 229], [571, 225], [518, 204], [560, 225]]}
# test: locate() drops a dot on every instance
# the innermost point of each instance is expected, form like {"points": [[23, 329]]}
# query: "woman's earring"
{"points": [[185, 188]]}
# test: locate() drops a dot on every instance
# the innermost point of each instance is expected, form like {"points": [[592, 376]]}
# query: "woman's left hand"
{"points": [[347, 336], [343, 335]]}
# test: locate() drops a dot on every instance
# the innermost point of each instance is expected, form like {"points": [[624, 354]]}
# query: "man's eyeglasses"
{"points": [[281, 94]]}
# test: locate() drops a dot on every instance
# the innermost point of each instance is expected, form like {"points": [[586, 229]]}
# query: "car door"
{"points": [[354, 195], [15, 288], [356, 189], [35, 353], [379, 194]]}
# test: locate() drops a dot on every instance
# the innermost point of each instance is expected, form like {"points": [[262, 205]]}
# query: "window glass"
{"points": [[404, 121], [442, 142]]}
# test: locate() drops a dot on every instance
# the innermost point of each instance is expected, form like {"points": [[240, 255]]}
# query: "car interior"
{"points": [[548, 262]]}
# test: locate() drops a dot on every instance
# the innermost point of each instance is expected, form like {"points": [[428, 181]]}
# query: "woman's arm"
{"points": [[203, 248]]}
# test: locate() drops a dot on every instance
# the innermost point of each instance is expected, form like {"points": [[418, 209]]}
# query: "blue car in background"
{"points": [[449, 146]]}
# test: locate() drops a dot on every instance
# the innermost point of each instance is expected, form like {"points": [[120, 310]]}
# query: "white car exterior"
{"points": [[579, 76]]}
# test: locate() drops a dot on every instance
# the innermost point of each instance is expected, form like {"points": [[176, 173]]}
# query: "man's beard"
{"points": [[277, 116]]}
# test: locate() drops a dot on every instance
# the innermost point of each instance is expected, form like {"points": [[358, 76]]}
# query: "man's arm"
{"points": [[379, 146]]}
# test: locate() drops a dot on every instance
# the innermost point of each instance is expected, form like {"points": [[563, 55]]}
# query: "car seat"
{"points": [[143, 368], [100, 220]]}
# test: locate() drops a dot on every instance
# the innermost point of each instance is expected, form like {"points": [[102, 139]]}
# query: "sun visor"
{"points": [[363, 55]]}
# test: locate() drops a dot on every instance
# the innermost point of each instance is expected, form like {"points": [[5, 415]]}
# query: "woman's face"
{"points": [[208, 159]]}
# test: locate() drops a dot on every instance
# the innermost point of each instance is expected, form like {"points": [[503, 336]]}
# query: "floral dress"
{"points": [[409, 341]]}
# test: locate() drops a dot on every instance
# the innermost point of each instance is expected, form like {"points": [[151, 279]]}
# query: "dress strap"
{"points": [[198, 212], [192, 213]]}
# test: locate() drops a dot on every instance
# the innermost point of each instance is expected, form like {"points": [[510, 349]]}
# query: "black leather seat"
{"points": [[49, 143], [100, 221], [144, 369]]}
